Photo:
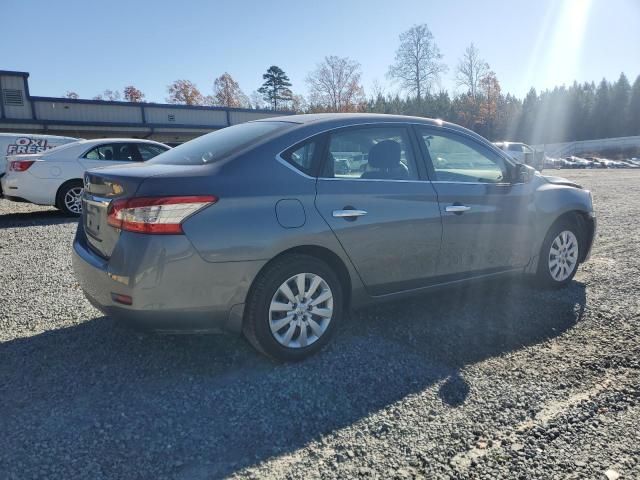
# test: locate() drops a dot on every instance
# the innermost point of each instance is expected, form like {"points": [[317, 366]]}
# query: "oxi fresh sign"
{"points": [[24, 145]]}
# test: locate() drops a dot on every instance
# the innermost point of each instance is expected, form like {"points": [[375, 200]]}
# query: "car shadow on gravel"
{"points": [[108, 402], [36, 218]]}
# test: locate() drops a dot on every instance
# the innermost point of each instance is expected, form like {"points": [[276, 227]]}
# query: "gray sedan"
{"points": [[275, 228]]}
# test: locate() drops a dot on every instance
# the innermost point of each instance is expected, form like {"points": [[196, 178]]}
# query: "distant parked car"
{"points": [[54, 177], [578, 162], [262, 228], [550, 162], [629, 164], [523, 153]]}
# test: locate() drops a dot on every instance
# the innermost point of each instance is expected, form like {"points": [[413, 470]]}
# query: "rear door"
{"points": [[486, 218], [380, 206]]}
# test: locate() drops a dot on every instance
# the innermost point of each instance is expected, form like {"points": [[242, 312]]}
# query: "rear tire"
{"points": [[293, 308], [68, 198], [559, 255]]}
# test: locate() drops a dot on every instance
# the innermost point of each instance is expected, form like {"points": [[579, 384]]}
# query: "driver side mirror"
{"points": [[522, 173]]}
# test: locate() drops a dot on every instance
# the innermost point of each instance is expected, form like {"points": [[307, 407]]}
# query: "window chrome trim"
{"points": [[500, 184], [374, 180], [288, 164], [400, 124]]}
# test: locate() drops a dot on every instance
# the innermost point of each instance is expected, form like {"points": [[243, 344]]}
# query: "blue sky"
{"points": [[88, 46]]}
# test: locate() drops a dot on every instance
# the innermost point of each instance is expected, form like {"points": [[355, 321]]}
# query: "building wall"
{"points": [[82, 112], [10, 82], [96, 119], [185, 116]]}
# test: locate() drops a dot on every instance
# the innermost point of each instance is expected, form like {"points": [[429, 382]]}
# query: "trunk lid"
{"points": [[103, 185], [4, 161]]}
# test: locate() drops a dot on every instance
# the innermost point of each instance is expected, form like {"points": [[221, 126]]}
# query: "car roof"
{"points": [[354, 118], [331, 120], [96, 141]]}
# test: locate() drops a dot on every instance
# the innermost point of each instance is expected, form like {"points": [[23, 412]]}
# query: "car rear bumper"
{"points": [[25, 187], [173, 290]]}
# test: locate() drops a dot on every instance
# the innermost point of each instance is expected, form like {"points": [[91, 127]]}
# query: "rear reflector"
{"points": [[121, 298], [156, 215], [20, 165]]}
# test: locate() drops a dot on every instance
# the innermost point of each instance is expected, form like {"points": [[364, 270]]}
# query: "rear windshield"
{"points": [[216, 145]]}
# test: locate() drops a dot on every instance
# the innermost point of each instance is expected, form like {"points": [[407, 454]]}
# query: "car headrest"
{"points": [[385, 155], [108, 155]]}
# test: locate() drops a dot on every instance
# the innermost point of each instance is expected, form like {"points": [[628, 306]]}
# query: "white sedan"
{"points": [[55, 177]]}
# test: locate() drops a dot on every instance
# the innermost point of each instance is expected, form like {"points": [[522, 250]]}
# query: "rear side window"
{"points": [[148, 151], [302, 156], [515, 147], [215, 146], [123, 152], [372, 153]]}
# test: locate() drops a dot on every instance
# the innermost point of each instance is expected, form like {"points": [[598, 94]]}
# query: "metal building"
{"points": [[21, 112]]}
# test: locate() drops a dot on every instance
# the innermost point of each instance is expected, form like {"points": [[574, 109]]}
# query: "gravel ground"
{"points": [[494, 381]]}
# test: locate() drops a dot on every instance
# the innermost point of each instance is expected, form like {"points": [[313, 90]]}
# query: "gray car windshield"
{"points": [[214, 146]]}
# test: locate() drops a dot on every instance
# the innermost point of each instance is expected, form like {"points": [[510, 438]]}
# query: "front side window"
{"points": [[456, 159], [375, 153]]}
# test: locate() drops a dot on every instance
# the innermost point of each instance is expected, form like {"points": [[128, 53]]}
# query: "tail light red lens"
{"points": [[20, 165], [156, 215]]}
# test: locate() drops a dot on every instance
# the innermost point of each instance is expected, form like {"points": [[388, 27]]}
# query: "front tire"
{"points": [[559, 255], [293, 308], [69, 198]]}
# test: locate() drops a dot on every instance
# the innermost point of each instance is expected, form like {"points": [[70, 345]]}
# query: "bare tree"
{"points": [[72, 95], [417, 65], [112, 95], [377, 89], [298, 104], [256, 101], [471, 70], [227, 92], [132, 94], [335, 85], [184, 92]]}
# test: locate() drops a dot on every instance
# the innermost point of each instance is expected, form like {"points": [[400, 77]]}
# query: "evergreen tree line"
{"points": [[579, 112]]}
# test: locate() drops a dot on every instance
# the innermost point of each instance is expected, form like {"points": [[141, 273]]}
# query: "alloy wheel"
{"points": [[563, 255], [73, 200], [301, 310]]}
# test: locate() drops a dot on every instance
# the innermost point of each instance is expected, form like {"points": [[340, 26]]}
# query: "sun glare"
{"points": [[557, 52]]}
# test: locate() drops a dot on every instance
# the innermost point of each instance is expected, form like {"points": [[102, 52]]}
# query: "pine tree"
{"points": [[619, 108], [634, 109], [275, 89], [601, 110]]}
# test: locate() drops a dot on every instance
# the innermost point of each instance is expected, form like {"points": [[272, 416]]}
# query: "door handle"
{"points": [[457, 208], [349, 213]]}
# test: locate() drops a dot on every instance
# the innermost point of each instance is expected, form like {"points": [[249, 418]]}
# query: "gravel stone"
{"points": [[497, 380]]}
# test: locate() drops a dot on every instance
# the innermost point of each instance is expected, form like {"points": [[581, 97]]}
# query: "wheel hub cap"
{"points": [[301, 310], [563, 255]]}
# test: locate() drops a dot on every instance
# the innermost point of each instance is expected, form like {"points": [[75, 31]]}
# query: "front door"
{"points": [[383, 213], [486, 218]]}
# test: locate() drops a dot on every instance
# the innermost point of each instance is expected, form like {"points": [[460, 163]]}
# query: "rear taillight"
{"points": [[20, 165], [156, 215]]}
